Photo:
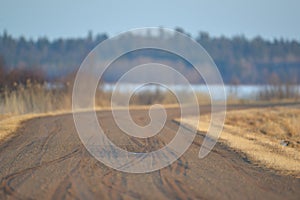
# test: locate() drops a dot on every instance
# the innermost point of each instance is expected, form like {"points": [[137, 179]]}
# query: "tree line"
{"points": [[240, 60]]}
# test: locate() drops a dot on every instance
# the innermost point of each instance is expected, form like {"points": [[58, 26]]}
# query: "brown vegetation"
{"points": [[33, 98], [268, 136], [41, 98], [278, 89], [23, 91]]}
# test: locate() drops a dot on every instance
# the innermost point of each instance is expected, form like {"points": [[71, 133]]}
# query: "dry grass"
{"points": [[9, 123], [4, 116], [37, 98], [278, 123], [33, 98], [259, 134]]}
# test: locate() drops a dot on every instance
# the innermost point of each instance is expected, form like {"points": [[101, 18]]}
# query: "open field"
{"points": [[45, 159], [268, 136]]}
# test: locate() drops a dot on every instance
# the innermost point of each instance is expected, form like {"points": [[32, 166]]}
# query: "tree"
{"points": [[2, 75]]}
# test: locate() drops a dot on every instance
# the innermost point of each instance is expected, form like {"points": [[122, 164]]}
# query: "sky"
{"points": [[74, 18]]}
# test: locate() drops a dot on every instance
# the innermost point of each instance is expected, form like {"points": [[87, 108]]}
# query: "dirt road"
{"points": [[46, 160]]}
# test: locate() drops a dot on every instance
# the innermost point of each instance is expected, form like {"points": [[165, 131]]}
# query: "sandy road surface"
{"points": [[46, 160]]}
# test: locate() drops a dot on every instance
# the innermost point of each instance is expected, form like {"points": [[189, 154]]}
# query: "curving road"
{"points": [[46, 160]]}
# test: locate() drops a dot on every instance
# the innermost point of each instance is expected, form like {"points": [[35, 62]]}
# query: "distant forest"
{"points": [[240, 60]]}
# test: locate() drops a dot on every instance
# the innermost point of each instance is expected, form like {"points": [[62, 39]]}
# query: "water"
{"points": [[241, 91]]}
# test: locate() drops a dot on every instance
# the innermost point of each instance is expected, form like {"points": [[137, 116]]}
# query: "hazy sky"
{"points": [[73, 18]]}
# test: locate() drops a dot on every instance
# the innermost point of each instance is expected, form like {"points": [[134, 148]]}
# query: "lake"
{"points": [[240, 91]]}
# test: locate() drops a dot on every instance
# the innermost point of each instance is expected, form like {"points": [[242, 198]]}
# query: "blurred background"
{"points": [[255, 46]]}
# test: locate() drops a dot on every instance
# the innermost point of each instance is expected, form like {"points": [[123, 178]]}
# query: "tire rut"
{"points": [[6, 181]]}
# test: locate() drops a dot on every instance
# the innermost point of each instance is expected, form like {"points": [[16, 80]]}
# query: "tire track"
{"points": [[51, 134], [23, 149], [6, 181], [169, 179]]}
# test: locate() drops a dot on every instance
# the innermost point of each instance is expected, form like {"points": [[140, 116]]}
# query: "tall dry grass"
{"points": [[40, 98], [33, 98]]}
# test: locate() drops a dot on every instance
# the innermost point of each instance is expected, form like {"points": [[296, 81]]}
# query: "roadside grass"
{"points": [[10, 124], [33, 98], [269, 137]]}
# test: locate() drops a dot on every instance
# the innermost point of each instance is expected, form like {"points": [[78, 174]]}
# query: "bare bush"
{"points": [[279, 90]]}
